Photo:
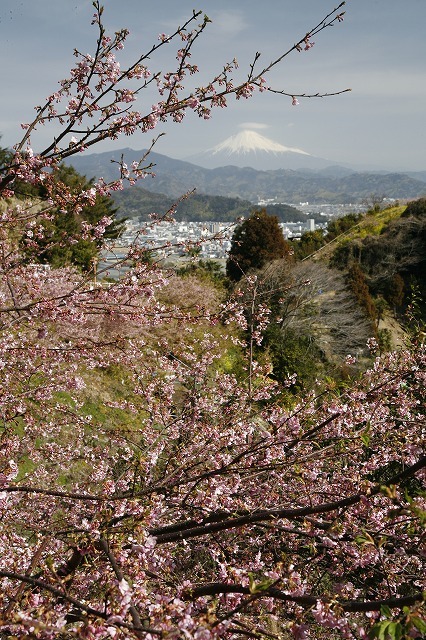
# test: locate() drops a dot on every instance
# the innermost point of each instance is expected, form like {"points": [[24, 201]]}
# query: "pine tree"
{"points": [[62, 244]]}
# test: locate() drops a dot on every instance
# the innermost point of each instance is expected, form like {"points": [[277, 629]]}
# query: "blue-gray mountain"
{"points": [[333, 184]]}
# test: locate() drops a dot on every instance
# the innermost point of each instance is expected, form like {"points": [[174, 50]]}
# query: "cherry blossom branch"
{"points": [[191, 479], [308, 95], [117, 117], [137, 623], [59, 593], [304, 43], [184, 532], [353, 606], [264, 443], [59, 494], [162, 487], [34, 561], [62, 595]]}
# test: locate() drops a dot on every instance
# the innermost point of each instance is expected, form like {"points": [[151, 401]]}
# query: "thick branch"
{"points": [[59, 593], [207, 528], [218, 588]]}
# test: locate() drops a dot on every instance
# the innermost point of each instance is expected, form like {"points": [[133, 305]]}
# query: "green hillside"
{"points": [[384, 254], [352, 228], [140, 203]]}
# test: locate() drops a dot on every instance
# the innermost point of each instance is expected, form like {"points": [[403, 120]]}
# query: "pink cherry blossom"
{"points": [[147, 489]]}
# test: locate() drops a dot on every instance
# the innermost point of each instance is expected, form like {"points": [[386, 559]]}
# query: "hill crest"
{"points": [[176, 177]]}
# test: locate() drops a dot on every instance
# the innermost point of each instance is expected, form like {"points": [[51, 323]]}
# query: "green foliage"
{"points": [[310, 242], [347, 245], [392, 255], [341, 225], [381, 307], [205, 270], [62, 243], [415, 316], [287, 213], [292, 353], [232, 362], [415, 208], [256, 241], [5, 157], [315, 321], [140, 203], [259, 584], [384, 339], [409, 624], [198, 207], [394, 291]]}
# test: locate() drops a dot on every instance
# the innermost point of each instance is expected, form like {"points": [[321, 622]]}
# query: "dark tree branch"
{"points": [[162, 535], [59, 593], [218, 588]]}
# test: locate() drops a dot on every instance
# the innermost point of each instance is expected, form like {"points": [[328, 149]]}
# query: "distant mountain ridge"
{"points": [[332, 184]]}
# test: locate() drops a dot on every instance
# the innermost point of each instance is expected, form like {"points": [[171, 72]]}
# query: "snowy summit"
{"points": [[247, 142], [250, 149]]}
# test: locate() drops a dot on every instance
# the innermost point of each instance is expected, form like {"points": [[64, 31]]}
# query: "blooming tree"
{"points": [[193, 505]]}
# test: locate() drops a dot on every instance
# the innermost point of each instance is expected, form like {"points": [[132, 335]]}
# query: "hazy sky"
{"points": [[379, 51]]}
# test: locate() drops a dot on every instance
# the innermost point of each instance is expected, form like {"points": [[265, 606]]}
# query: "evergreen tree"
{"points": [[340, 225], [309, 243], [62, 243], [258, 240]]}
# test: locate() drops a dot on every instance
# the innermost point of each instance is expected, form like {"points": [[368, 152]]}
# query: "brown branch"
{"points": [[76, 603], [183, 532], [218, 588], [137, 623], [58, 494], [223, 520], [54, 591], [256, 79], [307, 95], [71, 565], [34, 561]]}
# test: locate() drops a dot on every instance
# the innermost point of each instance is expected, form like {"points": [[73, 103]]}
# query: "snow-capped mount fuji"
{"points": [[251, 149], [248, 141]]}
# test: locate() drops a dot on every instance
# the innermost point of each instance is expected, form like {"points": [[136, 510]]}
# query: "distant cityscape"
{"points": [[175, 242]]}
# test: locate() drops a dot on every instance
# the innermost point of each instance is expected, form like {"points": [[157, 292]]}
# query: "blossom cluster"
{"points": [[148, 489]]}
